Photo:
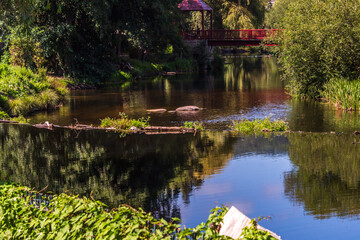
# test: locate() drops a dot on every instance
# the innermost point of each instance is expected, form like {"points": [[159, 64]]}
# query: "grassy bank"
{"points": [[258, 126], [26, 214], [23, 91]]}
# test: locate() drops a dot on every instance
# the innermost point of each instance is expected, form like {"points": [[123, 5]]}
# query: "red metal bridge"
{"points": [[243, 37]]}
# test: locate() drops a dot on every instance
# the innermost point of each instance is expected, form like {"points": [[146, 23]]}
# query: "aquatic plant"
{"points": [[343, 93], [259, 125], [195, 125], [28, 215], [124, 122]]}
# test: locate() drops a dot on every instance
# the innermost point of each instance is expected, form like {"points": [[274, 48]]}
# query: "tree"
{"points": [[319, 42]]}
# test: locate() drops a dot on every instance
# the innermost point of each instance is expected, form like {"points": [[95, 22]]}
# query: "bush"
{"points": [[3, 115], [319, 43], [180, 65], [259, 125]]}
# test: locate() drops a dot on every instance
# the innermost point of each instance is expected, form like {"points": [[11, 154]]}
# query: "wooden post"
{"points": [[211, 24], [203, 24]]}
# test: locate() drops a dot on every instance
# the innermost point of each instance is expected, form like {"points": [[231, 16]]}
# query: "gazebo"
{"points": [[200, 6]]}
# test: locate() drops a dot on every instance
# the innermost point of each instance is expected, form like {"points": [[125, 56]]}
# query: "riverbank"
{"points": [[23, 91]]}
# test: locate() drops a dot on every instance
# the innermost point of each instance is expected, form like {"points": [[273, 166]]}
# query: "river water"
{"points": [[308, 183]]}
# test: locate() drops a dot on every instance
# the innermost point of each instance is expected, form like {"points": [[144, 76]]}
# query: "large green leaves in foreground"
{"points": [[321, 41], [70, 217]]}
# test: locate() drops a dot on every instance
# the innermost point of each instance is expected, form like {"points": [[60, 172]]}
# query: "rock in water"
{"points": [[187, 109], [158, 110]]}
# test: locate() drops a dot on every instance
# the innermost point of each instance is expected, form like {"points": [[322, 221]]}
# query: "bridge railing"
{"points": [[241, 34]]}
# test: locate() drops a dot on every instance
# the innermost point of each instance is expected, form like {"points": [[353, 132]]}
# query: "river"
{"points": [[308, 183]]}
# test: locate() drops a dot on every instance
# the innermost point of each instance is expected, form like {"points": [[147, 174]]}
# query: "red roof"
{"points": [[194, 5]]}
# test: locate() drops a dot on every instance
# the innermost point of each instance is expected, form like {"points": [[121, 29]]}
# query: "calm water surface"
{"points": [[249, 88], [308, 183]]}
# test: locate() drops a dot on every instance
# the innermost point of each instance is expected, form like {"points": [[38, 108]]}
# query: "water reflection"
{"points": [[143, 171], [327, 175], [185, 175]]}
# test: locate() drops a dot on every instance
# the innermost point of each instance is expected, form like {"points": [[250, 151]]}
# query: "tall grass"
{"points": [[343, 93], [259, 125]]}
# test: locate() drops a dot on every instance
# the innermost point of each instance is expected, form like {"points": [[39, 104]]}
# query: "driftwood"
{"points": [[7, 121]]}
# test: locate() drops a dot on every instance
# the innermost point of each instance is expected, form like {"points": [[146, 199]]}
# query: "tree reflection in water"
{"points": [[142, 171], [327, 178]]}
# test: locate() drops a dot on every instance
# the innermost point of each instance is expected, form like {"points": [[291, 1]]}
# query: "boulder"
{"points": [[187, 109], [158, 110]]}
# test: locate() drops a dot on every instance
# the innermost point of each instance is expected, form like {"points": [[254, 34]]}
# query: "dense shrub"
{"points": [[319, 43]]}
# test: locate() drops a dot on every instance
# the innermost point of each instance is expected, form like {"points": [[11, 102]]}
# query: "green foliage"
{"points": [[180, 65], [253, 233], [343, 93], [144, 68], [24, 90], [124, 122], [259, 125], [217, 64], [195, 125], [3, 115], [20, 119], [70, 217], [319, 43]]}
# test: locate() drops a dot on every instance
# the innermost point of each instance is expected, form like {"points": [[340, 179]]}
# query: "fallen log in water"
{"points": [[151, 130]]}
